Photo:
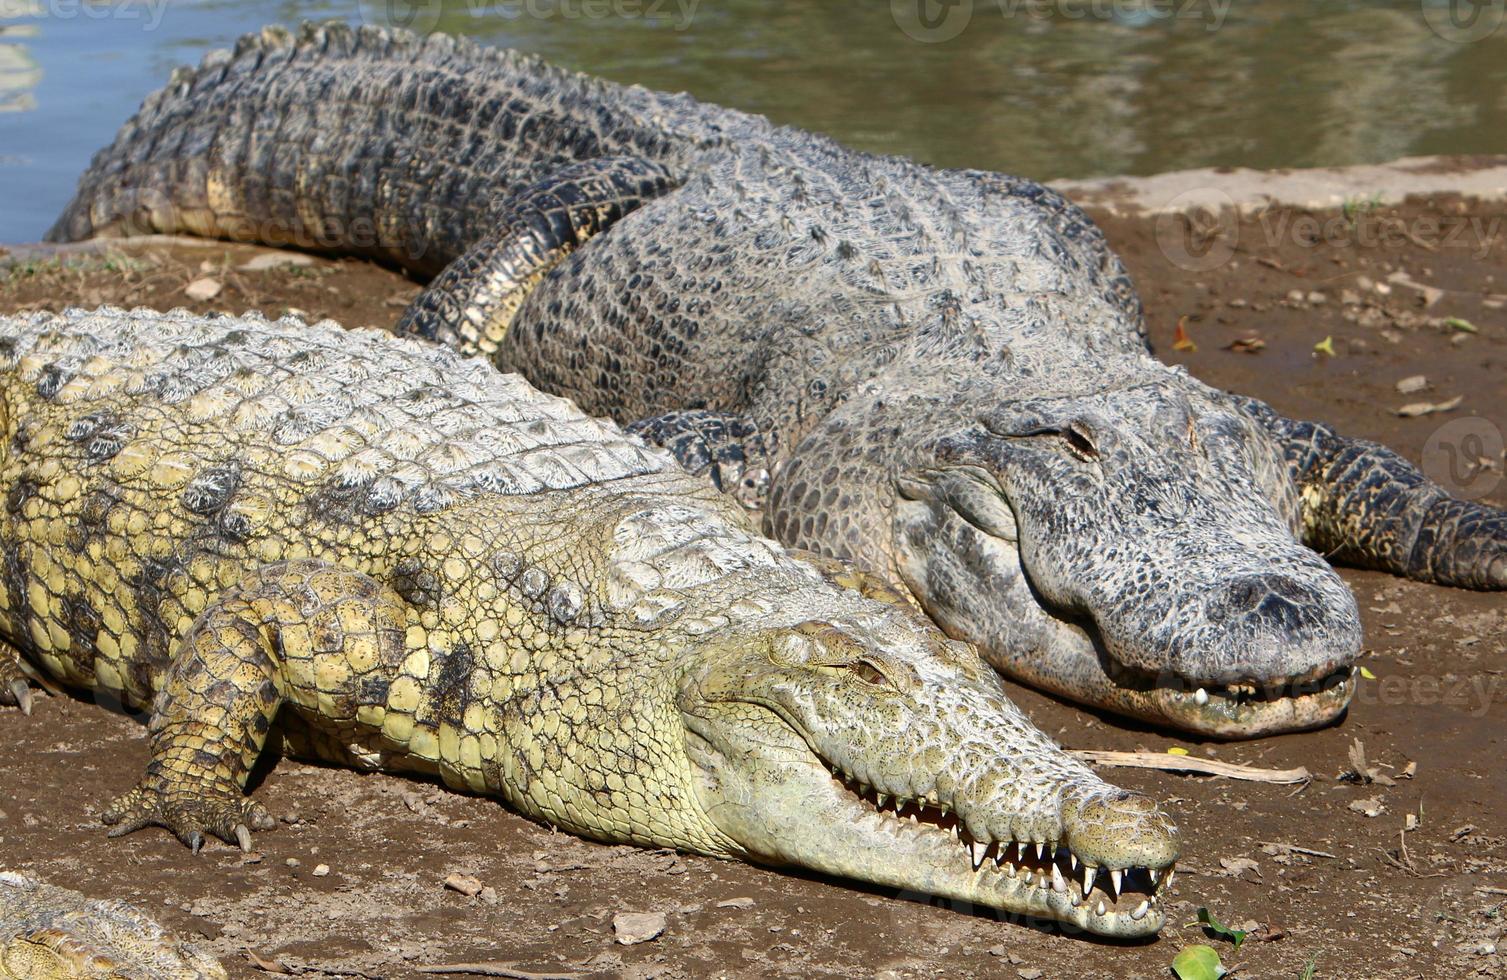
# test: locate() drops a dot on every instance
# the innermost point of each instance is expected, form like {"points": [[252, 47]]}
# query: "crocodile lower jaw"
{"points": [[1249, 710]]}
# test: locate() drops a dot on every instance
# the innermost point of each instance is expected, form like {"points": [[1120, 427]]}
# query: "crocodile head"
{"points": [[872, 747], [1132, 548]]}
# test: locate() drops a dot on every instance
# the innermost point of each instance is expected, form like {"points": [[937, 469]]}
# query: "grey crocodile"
{"points": [[51, 933], [941, 375], [368, 550]]}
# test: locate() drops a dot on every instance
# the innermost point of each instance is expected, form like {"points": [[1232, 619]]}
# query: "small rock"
{"points": [[1318, 298], [1238, 303], [736, 903], [632, 928], [1030, 973], [201, 290], [321, 870], [1349, 297], [1235, 867], [293, 863], [489, 896], [467, 885], [1370, 808], [1295, 296], [996, 951], [1412, 385]]}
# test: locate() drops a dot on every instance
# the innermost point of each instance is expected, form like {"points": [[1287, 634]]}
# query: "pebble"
{"points": [[467, 885], [736, 903], [202, 289], [632, 928], [321, 870], [1317, 298], [293, 862], [1412, 384]]}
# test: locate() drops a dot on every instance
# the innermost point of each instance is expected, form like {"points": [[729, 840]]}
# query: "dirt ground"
{"points": [[352, 882]]}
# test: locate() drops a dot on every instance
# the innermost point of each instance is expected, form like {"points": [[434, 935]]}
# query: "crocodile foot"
{"points": [[15, 689], [226, 815]]}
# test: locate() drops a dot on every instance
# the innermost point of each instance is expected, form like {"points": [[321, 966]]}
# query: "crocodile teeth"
{"points": [[881, 797], [1058, 884], [979, 850], [1114, 879], [1201, 697], [1140, 911], [1089, 874], [1041, 851], [1020, 851], [1155, 874], [1100, 909]]}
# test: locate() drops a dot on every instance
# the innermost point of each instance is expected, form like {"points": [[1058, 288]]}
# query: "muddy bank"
{"points": [[1321, 313]]}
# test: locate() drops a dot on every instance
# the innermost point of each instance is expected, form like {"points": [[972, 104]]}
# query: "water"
{"points": [[1045, 88]]}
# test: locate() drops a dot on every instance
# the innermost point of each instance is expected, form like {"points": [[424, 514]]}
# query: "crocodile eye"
{"points": [[1081, 441], [1074, 437], [869, 673]]}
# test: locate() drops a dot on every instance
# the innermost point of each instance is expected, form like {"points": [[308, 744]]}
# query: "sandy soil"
{"points": [[352, 883]]}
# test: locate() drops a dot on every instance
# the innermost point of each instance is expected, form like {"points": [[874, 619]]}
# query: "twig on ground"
{"points": [[1188, 763], [496, 970], [1297, 850]]}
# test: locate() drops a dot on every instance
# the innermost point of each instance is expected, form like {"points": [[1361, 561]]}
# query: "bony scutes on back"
{"points": [[454, 574]]}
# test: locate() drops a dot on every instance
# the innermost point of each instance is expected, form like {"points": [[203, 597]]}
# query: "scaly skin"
{"points": [[427, 566], [50, 933], [941, 376]]}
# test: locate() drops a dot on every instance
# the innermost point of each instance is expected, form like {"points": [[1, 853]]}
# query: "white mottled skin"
{"points": [[51, 933]]}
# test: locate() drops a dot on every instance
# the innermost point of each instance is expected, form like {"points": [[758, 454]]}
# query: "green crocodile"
{"points": [[940, 375], [368, 550]]}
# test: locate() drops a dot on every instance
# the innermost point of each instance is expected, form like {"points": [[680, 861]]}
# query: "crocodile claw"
{"points": [[190, 819], [19, 694]]}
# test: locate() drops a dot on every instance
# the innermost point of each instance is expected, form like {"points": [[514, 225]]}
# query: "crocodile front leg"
{"points": [[470, 305], [730, 449], [1365, 505], [15, 688], [320, 637]]}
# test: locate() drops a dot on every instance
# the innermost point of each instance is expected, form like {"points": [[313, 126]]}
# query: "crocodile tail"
{"points": [[364, 141]]}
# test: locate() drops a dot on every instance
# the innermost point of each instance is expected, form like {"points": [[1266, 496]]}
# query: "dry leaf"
{"points": [[1180, 339], [1373, 807], [1415, 409], [1246, 345]]}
